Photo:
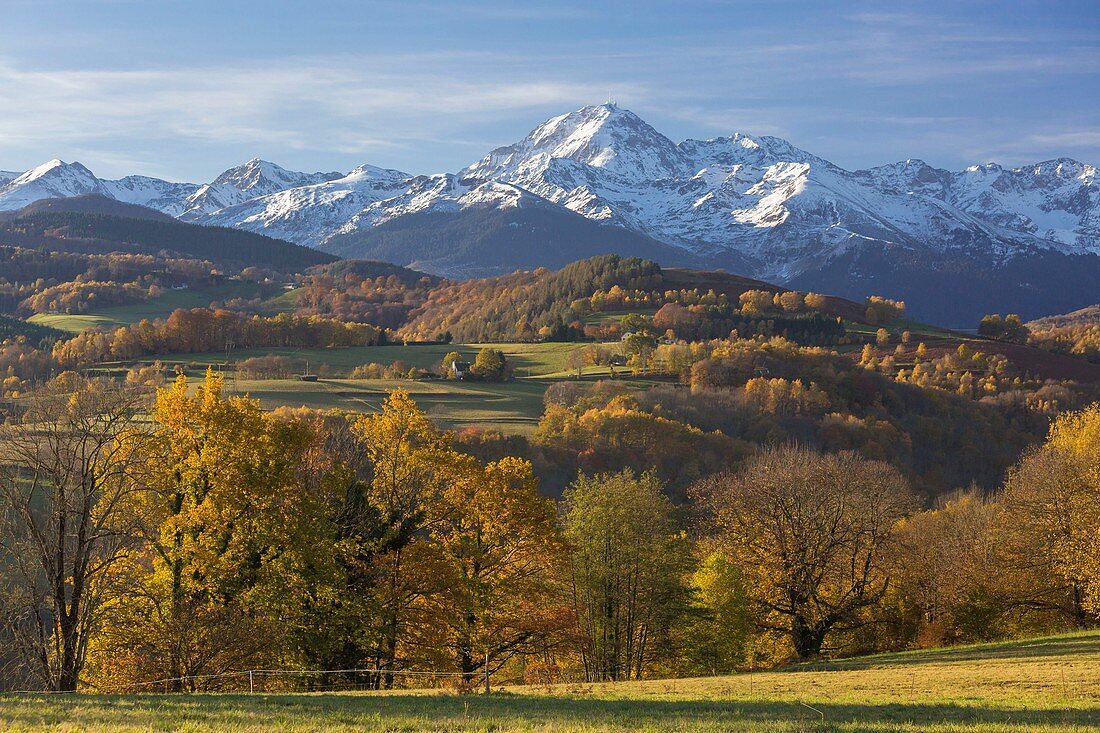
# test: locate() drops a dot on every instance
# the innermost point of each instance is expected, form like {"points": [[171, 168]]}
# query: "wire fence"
{"points": [[254, 681]]}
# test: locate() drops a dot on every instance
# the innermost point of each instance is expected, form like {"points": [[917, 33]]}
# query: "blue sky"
{"points": [[183, 90]]}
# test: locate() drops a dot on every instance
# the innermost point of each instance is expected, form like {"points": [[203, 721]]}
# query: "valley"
{"points": [[577, 368], [280, 385]]}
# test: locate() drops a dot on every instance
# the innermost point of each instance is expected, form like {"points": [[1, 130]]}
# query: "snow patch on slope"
{"points": [[252, 180]]}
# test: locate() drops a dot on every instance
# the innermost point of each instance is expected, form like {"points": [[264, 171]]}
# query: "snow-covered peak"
{"points": [[1066, 169], [313, 212], [251, 180], [737, 149], [983, 169], [164, 196], [603, 136], [1055, 201], [367, 172], [263, 177], [907, 176], [53, 179], [69, 174]]}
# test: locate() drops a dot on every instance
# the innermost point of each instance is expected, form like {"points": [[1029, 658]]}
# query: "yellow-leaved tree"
{"points": [[1052, 505], [808, 531], [496, 548], [225, 524], [409, 465]]}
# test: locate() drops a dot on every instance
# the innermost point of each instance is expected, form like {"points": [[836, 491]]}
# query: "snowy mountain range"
{"points": [[757, 205]]}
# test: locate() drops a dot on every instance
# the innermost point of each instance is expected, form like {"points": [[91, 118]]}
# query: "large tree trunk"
{"points": [[808, 639], [467, 663], [1081, 618]]}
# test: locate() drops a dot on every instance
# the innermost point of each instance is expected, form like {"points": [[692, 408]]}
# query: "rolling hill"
{"points": [[100, 225]]}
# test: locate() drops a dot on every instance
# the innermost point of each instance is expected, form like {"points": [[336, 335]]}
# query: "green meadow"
{"points": [[527, 359], [161, 307], [512, 407]]}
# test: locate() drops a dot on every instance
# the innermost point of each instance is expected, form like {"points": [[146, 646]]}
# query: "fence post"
{"points": [[487, 691], [251, 686]]}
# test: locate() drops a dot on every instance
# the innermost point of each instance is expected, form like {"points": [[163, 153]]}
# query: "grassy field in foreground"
{"points": [[1050, 685]]}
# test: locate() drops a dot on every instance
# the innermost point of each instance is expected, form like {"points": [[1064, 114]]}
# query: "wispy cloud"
{"points": [[860, 88], [351, 104], [1069, 138]]}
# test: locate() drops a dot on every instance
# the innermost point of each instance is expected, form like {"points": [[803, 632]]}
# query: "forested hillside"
{"points": [[520, 304], [1076, 333], [77, 231], [364, 290]]}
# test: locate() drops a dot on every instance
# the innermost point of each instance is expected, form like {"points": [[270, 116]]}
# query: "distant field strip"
{"points": [[527, 359], [1048, 685], [514, 406], [159, 307], [510, 407]]}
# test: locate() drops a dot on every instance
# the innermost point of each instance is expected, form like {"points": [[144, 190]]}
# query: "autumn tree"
{"points": [[577, 360], [410, 466], [627, 565], [790, 301], [490, 364], [816, 301], [1009, 328], [1052, 505], [880, 309], [783, 397], [808, 531], [225, 522], [620, 436], [66, 471], [495, 551], [947, 566], [756, 301]]}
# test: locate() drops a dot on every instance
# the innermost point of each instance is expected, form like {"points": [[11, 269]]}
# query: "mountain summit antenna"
{"points": [[610, 101]]}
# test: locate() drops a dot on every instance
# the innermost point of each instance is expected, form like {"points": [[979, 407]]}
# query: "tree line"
{"points": [[40, 281], [206, 330], [214, 536]]}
